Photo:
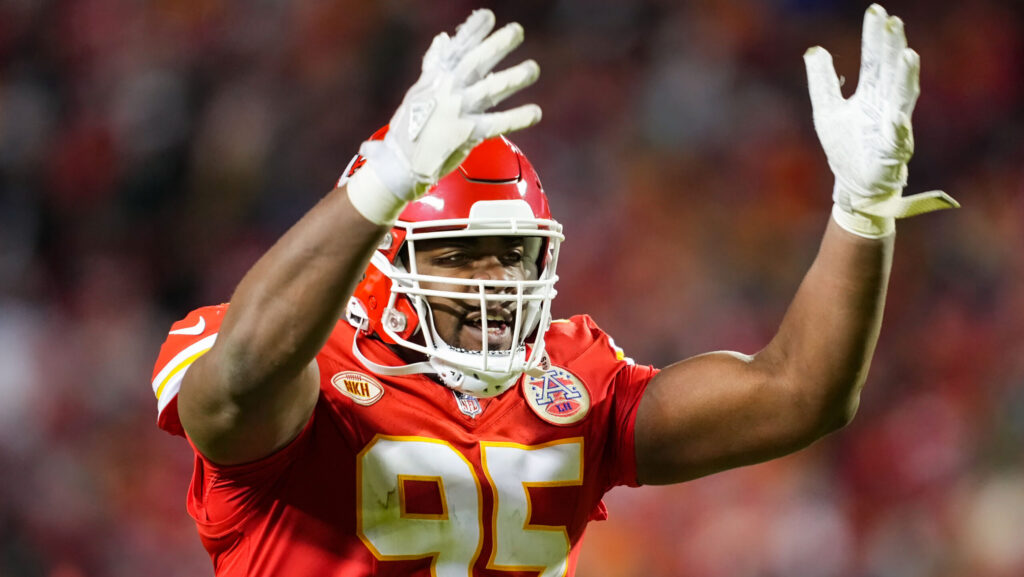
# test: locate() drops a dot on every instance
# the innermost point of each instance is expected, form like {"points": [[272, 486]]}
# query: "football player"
{"points": [[387, 394]]}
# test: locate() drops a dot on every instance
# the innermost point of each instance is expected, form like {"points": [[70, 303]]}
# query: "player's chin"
{"points": [[471, 337]]}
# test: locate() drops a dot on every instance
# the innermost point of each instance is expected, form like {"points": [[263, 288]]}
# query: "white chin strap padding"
{"points": [[477, 384]]}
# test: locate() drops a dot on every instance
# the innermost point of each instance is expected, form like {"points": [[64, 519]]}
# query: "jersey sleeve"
{"points": [[187, 340], [630, 384], [622, 383]]}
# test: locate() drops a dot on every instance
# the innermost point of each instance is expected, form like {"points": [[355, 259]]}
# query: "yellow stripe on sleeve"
{"points": [[181, 366], [171, 372]]}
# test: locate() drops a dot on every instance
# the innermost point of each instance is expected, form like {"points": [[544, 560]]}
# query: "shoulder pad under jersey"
{"points": [[572, 338], [187, 340]]}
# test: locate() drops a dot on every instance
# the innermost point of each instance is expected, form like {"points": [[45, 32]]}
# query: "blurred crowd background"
{"points": [[150, 150]]}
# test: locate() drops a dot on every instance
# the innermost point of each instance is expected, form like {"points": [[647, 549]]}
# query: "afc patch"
{"points": [[558, 396], [362, 389]]}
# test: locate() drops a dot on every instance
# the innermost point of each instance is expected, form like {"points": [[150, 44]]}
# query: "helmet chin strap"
{"points": [[481, 384], [456, 366], [388, 370], [477, 385]]}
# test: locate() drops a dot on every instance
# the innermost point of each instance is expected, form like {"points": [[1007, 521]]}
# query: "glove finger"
{"points": [[872, 44], [471, 32], [482, 58], [436, 51], [907, 84], [895, 42], [498, 86], [822, 82], [494, 123]]}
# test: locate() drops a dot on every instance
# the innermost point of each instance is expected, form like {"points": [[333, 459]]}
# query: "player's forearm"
{"points": [[826, 341], [287, 304], [830, 333]]}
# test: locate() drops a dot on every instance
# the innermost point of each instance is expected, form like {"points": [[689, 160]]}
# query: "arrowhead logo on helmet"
{"points": [[494, 192]]}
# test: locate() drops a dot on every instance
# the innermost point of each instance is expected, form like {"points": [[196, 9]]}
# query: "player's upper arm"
{"points": [[719, 411], [230, 431], [193, 388]]}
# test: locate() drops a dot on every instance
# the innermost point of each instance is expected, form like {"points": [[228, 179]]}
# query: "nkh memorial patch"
{"points": [[362, 389], [558, 396]]}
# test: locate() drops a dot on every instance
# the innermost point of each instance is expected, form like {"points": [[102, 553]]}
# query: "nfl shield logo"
{"points": [[468, 404]]}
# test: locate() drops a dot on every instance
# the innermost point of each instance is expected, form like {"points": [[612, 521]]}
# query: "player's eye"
{"points": [[451, 259], [513, 257]]}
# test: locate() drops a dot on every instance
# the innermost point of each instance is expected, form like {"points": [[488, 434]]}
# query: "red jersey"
{"points": [[400, 476]]}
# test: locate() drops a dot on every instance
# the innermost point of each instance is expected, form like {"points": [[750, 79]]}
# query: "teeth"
{"points": [[491, 320]]}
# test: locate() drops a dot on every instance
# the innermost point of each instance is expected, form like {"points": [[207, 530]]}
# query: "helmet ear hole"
{"points": [[368, 309], [394, 320]]}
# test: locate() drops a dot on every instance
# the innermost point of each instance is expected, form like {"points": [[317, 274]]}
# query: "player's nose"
{"points": [[491, 268]]}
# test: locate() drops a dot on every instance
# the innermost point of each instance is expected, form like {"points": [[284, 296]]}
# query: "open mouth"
{"points": [[499, 333]]}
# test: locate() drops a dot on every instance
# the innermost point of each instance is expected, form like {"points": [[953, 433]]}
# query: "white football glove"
{"points": [[443, 116], [868, 138]]}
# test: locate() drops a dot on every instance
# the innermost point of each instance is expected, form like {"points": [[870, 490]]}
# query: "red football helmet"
{"points": [[494, 192]]}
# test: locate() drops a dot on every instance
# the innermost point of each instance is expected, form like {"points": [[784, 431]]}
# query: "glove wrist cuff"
{"points": [[862, 225], [391, 168], [372, 198]]}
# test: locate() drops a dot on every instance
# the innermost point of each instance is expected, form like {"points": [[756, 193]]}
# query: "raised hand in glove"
{"points": [[443, 116], [868, 138]]}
